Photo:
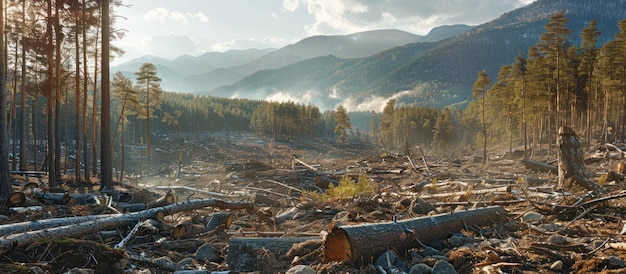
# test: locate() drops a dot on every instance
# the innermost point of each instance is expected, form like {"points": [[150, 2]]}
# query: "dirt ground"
{"points": [[546, 230]]}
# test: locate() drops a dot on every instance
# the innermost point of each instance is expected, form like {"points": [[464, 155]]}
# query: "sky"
{"points": [[171, 28]]}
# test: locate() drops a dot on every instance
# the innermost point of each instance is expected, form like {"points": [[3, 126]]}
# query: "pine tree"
{"points": [[149, 83], [478, 92], [343, 123]]}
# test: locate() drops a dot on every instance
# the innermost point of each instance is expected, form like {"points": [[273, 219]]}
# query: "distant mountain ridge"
{"points": [[435, 74], [211, 70]]}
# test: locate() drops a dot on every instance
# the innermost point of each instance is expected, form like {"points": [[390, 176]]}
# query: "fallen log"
{"points": [[186, 230], [540, 166], [360, 244], [114, 221], [219, 218], [52, 198], [506, 189], [243, 252], [167, 199], [188, 245]]}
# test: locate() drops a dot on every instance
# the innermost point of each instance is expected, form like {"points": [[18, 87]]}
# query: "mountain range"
{"points": [[363, 70]]}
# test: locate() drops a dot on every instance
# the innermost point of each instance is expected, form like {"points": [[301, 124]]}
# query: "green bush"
{"points": [[347, 188]]}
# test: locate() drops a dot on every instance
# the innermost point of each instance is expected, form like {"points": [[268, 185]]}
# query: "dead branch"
{"points": [[540, 166]]}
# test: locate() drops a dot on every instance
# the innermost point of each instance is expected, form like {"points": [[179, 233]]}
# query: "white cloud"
{"points": [[349, 16], [162, 14], [291, 5]]}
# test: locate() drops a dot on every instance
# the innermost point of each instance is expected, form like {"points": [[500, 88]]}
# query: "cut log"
{"points": [[16, 199], [360, 244], [188, 245], [167, 199], [219, 218], [187, 230], [571, 164], [52, 198], [114, 221], [243, 252], [540, 166]]}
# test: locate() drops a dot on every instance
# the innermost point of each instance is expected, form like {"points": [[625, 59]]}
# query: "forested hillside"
{"points": [[447, 96], [431, 74]]}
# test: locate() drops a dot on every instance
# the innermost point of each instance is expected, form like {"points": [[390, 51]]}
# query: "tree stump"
{"points": [[571, 165]]}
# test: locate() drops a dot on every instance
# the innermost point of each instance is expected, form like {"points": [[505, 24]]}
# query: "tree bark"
{"points": [[359, 244], [571, 164], [106, 161]]}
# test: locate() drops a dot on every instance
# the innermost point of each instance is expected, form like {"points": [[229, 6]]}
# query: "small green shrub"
{"points": [[346, 188]]}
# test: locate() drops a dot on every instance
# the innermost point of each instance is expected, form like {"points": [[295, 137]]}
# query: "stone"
{"points": [[443, 267], [300, 269], [206, 252], [532, 217], [421, 268]]}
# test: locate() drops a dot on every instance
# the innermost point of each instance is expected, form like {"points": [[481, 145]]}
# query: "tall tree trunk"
{"points": [[85, 93], [23, 99], [5, 183], [105, 113], [35, 133], [94, 107], [13, 120], [148, 127], [77, 106], [57, 90], [49, 110]]}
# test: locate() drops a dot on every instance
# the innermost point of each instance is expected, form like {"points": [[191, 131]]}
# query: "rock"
{"points": [[557, 239], [185, 263], [421, 268], [597, 244], [191, 272], [421, 206], [206, 252], [77, 270], [300, 269], [557, 266], [532, 217], [459, 240], [616, 262], [443, 267], [390, 262], [550, 227]]}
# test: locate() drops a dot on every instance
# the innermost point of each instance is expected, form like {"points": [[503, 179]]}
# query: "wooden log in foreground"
{"points": [[360, 244], [114, 221]]}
